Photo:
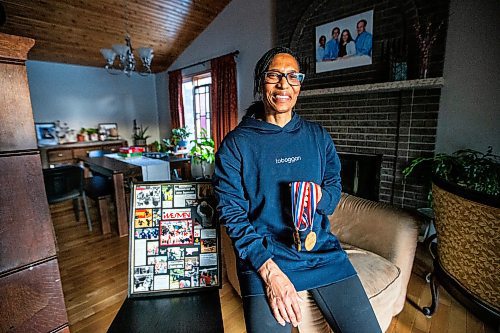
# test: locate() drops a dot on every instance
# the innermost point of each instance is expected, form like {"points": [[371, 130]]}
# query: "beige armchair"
{"points": [[380, 241]]}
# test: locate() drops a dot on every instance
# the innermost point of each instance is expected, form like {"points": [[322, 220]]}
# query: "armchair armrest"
{"points": [[229, 260], [379, 228]]}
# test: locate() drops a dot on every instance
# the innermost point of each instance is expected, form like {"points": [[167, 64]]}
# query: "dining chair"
{"points": [[99, 188], [66, 183], [92, 153], [96, 153]]}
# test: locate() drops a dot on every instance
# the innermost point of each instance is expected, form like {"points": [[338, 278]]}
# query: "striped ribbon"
{"points": [[304, 201]]}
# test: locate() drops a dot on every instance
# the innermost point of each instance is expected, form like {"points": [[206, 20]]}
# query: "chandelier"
{"points": [[121, 56], [126, 60]]}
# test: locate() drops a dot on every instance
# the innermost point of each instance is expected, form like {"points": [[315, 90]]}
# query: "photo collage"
{"points": [[174, 239]]}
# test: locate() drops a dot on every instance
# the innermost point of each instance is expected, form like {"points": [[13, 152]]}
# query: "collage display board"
{"points": [[174, 238]]}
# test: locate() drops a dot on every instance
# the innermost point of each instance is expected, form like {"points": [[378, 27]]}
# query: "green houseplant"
{"points": [[89, 134], [466, 205], [169, 145], [160, 147], [140, 136], [179, 136], [467, 168], [203, 151]]}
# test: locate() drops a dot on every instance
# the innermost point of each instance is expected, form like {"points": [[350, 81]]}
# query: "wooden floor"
{"points": [[94, 278]]}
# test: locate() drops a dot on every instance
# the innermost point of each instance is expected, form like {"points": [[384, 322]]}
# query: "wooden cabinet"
{"points": [[33, 299], [16, 129], [59, 155], [72, 152], [24, 212], [30, 284]]}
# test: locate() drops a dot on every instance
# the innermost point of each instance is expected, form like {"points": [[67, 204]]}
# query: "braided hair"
{"points": [[263, 64]]}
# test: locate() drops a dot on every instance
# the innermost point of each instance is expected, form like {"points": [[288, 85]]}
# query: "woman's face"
{"points": [[281, 97], [345, 36], [322, 41]]}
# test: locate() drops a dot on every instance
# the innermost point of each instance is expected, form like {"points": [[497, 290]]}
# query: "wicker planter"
{"points": [[468, 247]]}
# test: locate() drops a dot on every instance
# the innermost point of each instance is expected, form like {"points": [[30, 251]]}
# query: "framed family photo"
{"points": [[46, 134], [344, 43], [111, 129]]}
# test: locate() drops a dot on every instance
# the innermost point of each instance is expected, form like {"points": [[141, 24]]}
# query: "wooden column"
{"points": [[30, 284]]}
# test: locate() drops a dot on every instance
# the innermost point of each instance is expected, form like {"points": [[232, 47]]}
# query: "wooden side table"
{"points": [[182, 165], [427, 227]]}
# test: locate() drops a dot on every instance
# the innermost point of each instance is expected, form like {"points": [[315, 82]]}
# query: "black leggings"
{"points": [[344, 306]]}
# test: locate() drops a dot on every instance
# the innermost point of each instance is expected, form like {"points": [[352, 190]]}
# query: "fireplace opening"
{"points": [[360, 174]]}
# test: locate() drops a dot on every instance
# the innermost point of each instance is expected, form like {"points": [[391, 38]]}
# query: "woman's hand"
{"points": [[281, 294]]}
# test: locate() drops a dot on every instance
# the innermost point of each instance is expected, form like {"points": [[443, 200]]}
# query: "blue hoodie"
{"points": [[254, 166]]}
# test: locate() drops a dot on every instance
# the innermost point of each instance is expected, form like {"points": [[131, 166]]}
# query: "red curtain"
{"points": [[224, 97], [176, 104]]}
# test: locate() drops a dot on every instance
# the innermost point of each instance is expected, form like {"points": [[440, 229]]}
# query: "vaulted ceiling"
{"points": [[73, 31]]}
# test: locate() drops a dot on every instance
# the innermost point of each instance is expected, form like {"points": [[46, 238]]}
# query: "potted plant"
{"points": [[157, 146], [82, 135], [140, 136], [179, 136], [203, 152], [92, 134], [467, 168], [466, 204], [169, 145]]}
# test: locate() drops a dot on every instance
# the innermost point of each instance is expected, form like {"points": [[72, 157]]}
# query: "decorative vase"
{"points": [[140, 142], [424, 62], [399, 71]]}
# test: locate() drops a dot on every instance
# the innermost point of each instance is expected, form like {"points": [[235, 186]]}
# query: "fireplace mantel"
{"points": [[436, 82]]}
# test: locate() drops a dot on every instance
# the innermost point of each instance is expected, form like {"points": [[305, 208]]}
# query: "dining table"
{"points": [[124, 170], [118, 171]]}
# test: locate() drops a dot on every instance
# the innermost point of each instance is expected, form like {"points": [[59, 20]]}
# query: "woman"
{"points": [[255, 164], [320, 51], [347, 46]]}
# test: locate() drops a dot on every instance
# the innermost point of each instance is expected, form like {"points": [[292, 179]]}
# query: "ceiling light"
{"points": [[126, 60], [121, 56]]}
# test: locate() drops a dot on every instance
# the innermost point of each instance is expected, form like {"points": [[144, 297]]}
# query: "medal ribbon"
{"points": [[304, 202]]}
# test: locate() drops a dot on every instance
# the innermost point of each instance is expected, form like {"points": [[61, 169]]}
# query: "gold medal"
{"points": [[310, 241]]}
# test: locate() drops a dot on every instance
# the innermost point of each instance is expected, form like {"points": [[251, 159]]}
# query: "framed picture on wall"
{"points": [[111, 130], [344, 43], [46, 134]]}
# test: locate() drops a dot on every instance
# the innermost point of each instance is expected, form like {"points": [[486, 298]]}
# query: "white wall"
{"points": [[247, 26], [86, 96], [469, 115]]}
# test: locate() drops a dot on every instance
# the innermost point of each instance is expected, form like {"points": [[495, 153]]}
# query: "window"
{"points": [[197, 111]]}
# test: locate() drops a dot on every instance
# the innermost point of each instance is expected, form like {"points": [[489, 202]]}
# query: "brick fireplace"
{"points": [[378, 125], [360, 174], [396, 125]]}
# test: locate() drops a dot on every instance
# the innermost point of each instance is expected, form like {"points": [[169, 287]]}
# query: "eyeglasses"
{"points": [[293, 78]]}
